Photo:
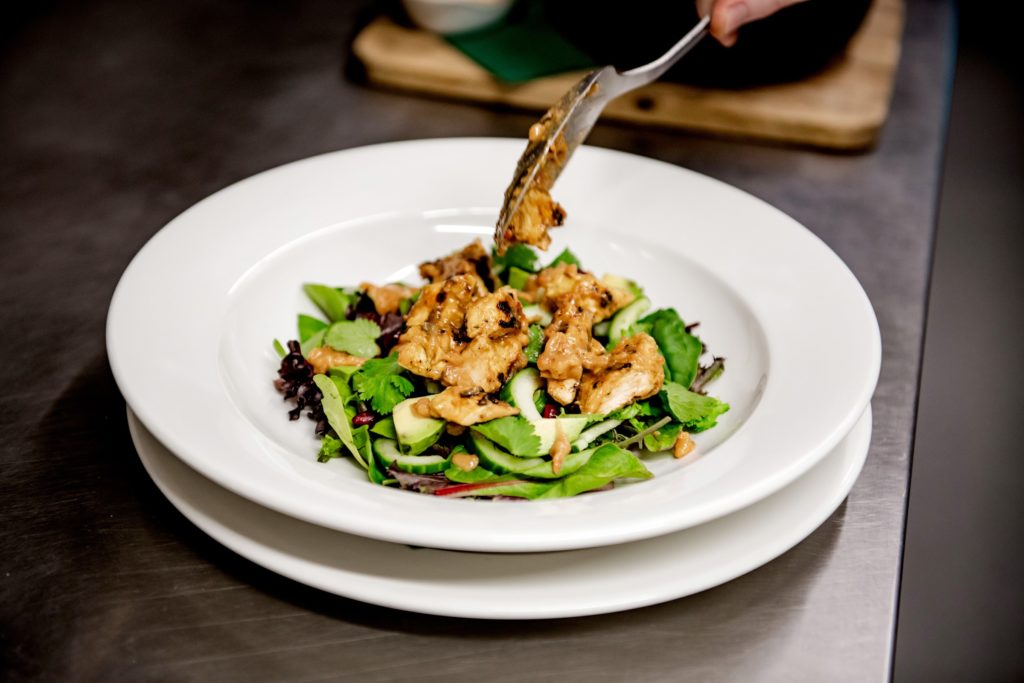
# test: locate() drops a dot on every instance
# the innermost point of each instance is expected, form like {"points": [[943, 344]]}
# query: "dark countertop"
{"points": [[116, 116]]}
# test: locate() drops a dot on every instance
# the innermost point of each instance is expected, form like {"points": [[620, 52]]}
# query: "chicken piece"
{"points": [[530, 223], [434, 325], [323, 358], [472, 260], [387, 298], [634, 371], [537, 211], [555, 286], [467, 406], [496, 327], [459, 334], [569, 350]]}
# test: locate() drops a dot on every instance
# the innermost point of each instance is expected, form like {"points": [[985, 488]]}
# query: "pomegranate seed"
{"points": [[550, 410], [366, 417]]}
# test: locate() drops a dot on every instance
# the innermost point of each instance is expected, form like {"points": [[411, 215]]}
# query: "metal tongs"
{"points": [[573, 117]]}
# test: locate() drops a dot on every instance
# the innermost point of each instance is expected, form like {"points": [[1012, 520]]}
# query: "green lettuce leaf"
{"points": [[680, 349], [358, 337], [331, 300], [517, 256], [694, 411], [536, 344], [337, 418], [308, 326], [385, 428], [474, 476], [608, 463], [314, 341], [664, 438], [566, 257]]}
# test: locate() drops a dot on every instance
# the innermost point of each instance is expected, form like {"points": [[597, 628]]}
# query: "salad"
{"points": [[499, 377]]}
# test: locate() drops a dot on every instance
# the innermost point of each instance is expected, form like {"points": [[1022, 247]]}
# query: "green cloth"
{"points": [[522, 46]]}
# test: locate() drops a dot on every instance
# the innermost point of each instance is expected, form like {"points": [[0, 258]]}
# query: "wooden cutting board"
{"points": [[841, 108]]}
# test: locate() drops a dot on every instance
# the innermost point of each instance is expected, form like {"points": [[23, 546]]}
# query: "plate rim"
{"points": [[723, 505], [856, 445]]}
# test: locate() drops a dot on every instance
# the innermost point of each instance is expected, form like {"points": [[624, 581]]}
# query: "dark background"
{"points": [[962, 600]]}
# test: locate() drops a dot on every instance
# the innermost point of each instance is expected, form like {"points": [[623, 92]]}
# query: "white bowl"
{"points": [[455, 16]]}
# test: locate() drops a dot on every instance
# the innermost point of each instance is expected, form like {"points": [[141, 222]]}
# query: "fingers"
{"points": [[727, 16]]}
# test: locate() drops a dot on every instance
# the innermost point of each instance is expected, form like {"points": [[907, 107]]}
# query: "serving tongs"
{"points": [[571, 120]]}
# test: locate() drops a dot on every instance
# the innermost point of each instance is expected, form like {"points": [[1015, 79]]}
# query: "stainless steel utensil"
{"points": [[573, 117]]}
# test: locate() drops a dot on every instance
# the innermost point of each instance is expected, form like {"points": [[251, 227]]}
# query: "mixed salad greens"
{"points": [[359, 372]]}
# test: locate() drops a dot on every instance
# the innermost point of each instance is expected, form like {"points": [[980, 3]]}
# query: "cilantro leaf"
{"points": [[566, 257], [358, 337], [380, 382], [695, 411], [517, 256], [536, 343], [512, 433]]}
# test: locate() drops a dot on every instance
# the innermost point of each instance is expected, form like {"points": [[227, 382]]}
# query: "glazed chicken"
{"points": [[433, 326], [472, 260], [568, 351], [578, 301], [633, 371], [530, 223], [466, 406], [387, 298], [470, 340], [553, 287], [537, 211]]}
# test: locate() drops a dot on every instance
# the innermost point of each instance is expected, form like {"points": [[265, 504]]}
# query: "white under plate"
{"points": [[190, 328], [512, 586]]}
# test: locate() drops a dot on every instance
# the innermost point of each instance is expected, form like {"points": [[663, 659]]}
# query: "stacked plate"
{"points": [[189, 336]]}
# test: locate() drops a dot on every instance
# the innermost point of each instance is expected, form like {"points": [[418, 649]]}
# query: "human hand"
{"points": [[728, 15]]}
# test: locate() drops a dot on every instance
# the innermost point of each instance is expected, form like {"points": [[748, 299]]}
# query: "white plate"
{"points": [[192, 319], [509, 586]]}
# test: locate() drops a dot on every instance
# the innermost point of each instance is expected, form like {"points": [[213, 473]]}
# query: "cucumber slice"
{"points": [[500, 462], [624, 319], [517, 278], [591, 433], [497, 460], [601, 328], [572, 462], [546, 429], [520, 390], [387, 451]]}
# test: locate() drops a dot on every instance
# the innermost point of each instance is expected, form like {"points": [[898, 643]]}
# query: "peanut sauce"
{"points": [[684, 445], [559, 449], [323, 358], [466, 462]]}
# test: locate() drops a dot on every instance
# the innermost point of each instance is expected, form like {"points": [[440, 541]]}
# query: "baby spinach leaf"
{"points": [[680, 349], [308, 326], [332, 301], [695, 411]]}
